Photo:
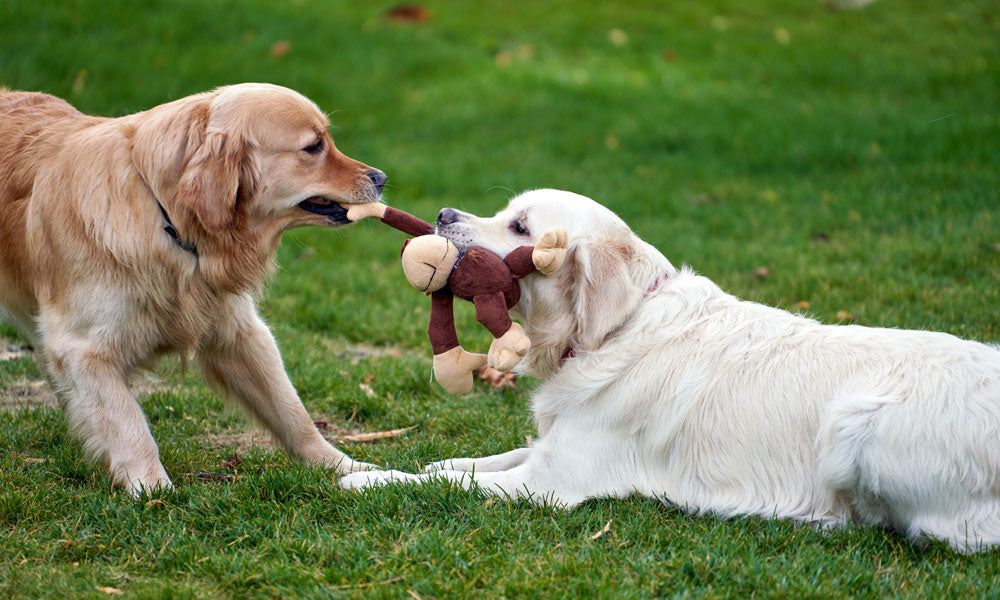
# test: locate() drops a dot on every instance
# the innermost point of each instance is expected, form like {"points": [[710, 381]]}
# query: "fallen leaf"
{"points": [[374, 435], [843, 315], [367, 389], [109, 590], [502, 59], [232, 462], [607, 528], [497, 379], [802, 305], [408, 13], [226, 477], [80, 81], [280, 48], [762, 272], [321, 425]]}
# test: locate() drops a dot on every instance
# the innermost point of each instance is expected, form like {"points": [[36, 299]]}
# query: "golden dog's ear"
{"points": [[604, 290], [211, 179], [189, 166]]}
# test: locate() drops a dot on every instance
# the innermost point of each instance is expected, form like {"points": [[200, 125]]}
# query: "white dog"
{"points": [[659, 383]]}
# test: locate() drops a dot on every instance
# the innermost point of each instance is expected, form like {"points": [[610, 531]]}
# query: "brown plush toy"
{"points": [[433, 265]]}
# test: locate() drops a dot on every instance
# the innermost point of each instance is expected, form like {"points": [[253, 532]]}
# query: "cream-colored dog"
{"points": [[659, 383], [123, 239]]}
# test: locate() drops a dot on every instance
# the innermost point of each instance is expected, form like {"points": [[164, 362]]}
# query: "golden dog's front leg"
{"points": [[242, 361], [91, 379]]}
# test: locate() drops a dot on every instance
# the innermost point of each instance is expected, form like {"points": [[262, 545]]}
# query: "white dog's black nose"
{"points": [[447, 216], [378, 179]]}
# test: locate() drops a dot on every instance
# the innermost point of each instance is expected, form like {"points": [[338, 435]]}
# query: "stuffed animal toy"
{"points": [[434, 265]]}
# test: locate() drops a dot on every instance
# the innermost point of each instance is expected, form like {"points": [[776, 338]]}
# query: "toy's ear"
{"points": [[427, 261]]}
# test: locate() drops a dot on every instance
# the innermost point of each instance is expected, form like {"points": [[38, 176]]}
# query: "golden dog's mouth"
{"points": [[326, 207]]}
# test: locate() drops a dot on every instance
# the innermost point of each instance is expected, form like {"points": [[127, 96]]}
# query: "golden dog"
{"points": [[122, 239]]}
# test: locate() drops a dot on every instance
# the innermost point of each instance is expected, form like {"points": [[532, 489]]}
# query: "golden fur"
{"points": [[89, 275]]}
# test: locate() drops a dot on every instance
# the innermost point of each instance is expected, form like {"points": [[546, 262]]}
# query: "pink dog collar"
{"points": [[569, 352]]}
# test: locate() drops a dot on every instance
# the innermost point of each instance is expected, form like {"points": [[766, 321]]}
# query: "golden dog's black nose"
{"points": [[378, 179], [447, 216]]}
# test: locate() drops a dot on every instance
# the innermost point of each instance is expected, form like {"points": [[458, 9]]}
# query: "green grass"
{"points": [[857, 161]]}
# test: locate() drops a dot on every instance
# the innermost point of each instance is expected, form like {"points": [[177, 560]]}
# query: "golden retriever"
{"points": [[122, 239], [659, 383]]}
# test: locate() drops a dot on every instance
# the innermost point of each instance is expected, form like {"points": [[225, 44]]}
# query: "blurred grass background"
{"points": [[838, 162]]}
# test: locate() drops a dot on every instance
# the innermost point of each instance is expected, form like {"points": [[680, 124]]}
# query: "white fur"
{"points": [[730, 407]]}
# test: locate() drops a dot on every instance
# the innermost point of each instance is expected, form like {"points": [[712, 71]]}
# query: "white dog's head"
{"points": [[606, 275]]}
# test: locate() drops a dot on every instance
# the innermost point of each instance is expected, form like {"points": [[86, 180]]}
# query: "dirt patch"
{"points": [[26, 393], [359, 352]]}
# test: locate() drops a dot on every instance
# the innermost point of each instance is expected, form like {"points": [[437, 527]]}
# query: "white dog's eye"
{"points": [[519, 228]]}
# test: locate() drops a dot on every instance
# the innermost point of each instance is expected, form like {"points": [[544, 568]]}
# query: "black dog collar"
{"points": [[172, 232]]}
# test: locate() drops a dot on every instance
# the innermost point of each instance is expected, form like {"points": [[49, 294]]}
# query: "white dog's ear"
{"points": [[604, 291], [212, 175]]}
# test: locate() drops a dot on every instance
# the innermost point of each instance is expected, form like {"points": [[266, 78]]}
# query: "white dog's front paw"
{"points": [[451, 464], [367, 479]]}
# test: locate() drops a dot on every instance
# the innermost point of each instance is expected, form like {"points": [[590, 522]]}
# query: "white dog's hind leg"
{"points": [[485, 464]]}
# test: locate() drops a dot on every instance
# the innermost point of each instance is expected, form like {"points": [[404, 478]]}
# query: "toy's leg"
{"points": [[510, 343]]}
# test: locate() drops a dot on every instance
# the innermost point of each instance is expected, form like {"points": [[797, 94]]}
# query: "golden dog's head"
{"points": [[237, 166], [606, 273], [251, 155]]}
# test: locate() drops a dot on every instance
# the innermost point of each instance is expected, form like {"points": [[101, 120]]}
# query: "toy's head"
{"points": [[427, 262]]}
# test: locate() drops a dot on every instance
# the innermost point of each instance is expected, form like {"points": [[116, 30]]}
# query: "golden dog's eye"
{"points": [[314, 148]]}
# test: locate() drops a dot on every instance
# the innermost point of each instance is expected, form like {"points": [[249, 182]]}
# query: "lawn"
{"points": [[842, 163]]}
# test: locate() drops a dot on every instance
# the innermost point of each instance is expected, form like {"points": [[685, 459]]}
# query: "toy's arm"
{"points": [[520, 263], [510, 344], [392, 217], [406, 222], [441, 327], [491, 311], [546, 256]]}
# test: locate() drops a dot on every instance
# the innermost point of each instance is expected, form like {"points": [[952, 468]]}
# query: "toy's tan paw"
{"points": [[550, 251], [356, 212], [508, 350], [453, 369]]}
